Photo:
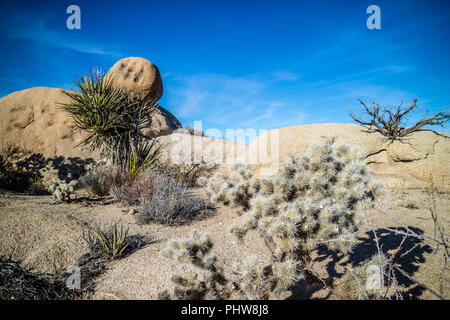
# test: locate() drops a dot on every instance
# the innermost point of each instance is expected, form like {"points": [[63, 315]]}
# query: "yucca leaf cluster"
{"points": [[110, 240], [112, 118]]}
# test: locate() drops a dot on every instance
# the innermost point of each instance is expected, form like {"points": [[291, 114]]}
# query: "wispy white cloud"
{"points": [[235, 102], [24, 26], [263, 102]]}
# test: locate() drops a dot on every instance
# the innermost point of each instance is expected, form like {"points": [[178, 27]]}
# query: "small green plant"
{"points": [[110, 240]]}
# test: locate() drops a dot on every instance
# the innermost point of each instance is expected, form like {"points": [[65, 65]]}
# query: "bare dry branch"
{"points": [[389, 122]]}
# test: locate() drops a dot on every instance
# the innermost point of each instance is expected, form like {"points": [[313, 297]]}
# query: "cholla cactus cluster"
{"points": [[62, 190], [313, 199], [210, 285], [259, 280], [235, 185], [255, 280]]}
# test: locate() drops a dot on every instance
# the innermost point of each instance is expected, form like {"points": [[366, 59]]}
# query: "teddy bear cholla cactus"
{"points": [[62, 190], [258, 280], [314, 198], [210, 285], [235, 185], [254, 279]]}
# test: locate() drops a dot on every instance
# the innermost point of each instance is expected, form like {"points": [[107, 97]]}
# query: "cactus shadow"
{"points": [[66, 168], [301, 291], [409, 257]]}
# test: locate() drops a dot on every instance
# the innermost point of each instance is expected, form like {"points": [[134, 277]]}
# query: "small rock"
{"points": [[132, 211]]}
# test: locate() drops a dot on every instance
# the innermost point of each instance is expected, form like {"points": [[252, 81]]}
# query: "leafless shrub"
{"points": [[186, 173], [170, 203], [10, 151], [100, 179], [390, 122], [132, 190]]}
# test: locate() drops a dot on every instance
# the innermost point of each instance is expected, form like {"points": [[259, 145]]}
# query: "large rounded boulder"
{"points": [[32, 120], [138, 76]]}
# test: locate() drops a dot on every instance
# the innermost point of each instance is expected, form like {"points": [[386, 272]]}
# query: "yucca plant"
{"points": [[143, 156], [112, 118], [110, 240]]}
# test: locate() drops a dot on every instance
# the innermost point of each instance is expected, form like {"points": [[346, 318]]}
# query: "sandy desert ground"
{"points": [[46, 236]]}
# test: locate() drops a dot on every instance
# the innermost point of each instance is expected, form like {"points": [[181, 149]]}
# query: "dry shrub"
{"points": [[100, 179], [18, 179], [132, 190], [170, 203], [186, 173]]}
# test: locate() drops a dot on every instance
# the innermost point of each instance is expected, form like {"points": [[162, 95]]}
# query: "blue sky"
{"points": [[241, 64]]}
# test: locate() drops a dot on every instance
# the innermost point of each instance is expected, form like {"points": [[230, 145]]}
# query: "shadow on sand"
{"points": [[66, 169], [367, 248]]}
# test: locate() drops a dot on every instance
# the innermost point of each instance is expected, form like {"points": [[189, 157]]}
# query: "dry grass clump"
{"points": [[18, 179]]}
